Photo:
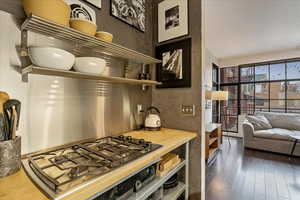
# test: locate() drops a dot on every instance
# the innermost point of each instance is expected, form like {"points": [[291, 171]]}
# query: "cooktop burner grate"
{"points": [[65, 168]]}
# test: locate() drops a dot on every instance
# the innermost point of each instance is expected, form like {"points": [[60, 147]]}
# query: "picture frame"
{"points": [[133, 14], [80, 10], [173, 19], [175, 69], [96, 3]]}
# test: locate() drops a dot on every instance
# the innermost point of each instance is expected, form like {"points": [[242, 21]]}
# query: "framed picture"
{"points": [[80, 10], [172, 19], [96, 3], [132, 12], [175, 69]]}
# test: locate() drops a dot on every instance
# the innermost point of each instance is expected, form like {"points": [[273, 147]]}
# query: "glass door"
{"points": [[229, 109]]}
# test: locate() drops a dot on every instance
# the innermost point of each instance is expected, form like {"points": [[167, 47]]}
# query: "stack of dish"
{"points": [[84, 26], [89, 28], [60, 12], [104, 36], [49, 57]]}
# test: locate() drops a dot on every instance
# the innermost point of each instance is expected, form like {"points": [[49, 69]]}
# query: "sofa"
{"points": [[272, 132]]}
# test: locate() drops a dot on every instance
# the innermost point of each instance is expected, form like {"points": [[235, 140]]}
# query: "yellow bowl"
{"points": [[105, 36], [84, 26], [54, 10]]}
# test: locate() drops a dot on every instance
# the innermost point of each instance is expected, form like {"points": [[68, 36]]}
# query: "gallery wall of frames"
{"points": [[173, 23]]}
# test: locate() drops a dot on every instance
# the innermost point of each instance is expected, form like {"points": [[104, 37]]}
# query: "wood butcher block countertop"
{"points": [[20, 187]]}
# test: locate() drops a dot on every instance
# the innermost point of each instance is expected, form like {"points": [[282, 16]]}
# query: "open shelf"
{"points": [[40, 25], [212, 140], [149, 189], [71, 74], [174, 193], [213, 150]]}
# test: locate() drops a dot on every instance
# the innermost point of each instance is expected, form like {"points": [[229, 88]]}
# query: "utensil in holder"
{"points": [[10, 157]]}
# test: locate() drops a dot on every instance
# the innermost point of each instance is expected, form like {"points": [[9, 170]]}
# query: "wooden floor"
{"points": [[239, 174]]}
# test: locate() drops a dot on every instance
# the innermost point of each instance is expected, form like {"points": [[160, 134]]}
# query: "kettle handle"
{"points": [[153, 108]]}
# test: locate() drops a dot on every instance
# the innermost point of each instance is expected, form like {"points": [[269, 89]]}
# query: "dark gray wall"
{"points": [[123, 33], [169, 100], [120, 105], [12, 6]]}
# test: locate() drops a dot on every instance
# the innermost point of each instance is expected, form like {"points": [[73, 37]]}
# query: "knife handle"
{"points": [[4, 132], [4, 129]]}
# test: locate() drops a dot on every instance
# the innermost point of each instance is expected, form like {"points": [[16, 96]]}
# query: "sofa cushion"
{"points": [[276, 133], [260, 122], [283, 120]]}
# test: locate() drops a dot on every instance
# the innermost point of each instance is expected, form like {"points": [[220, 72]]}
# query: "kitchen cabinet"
{"points": [[19, 186]]}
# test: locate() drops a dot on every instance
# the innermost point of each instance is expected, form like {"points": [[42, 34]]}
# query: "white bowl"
{"points": [[90, 65], [50, 57]]}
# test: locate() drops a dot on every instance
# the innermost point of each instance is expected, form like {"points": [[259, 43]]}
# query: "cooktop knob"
{"points": [[128, 138], [141, 141]]}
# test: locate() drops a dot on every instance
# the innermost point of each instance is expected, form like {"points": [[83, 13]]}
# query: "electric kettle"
{"points": [[152, 121]]}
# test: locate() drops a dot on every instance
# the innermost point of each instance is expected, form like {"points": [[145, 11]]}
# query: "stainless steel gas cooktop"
{"points": [[63, 171]]}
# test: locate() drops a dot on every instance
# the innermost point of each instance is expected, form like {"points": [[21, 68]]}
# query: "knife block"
{"points": [[10, 157]]}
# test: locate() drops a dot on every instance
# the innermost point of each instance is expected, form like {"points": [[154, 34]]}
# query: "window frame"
{"points": [[216, 84], [239, 84]]}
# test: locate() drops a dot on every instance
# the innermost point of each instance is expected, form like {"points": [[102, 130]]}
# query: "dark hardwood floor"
{"points": [[239, 174]]}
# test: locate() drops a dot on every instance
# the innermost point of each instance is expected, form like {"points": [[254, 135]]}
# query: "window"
{"points": [[262, 95], [277, 105], [247, 91], [262, 73], [215, 76], [262, 105], [262, 91], [277, 90], [229, 75], [293, 106], [277, 71], [293, 90], [247, 107], [247, 98], [293, 96], [247, 74], [230, 124], [232, 91], [293, 70], [268, 87], [229, 109]]}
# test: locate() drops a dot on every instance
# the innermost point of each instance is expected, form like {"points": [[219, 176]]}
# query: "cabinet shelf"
{"points": [[40, 25], [156, 184], [212, 140], [174, 193], [71, 74], [212, 150]]}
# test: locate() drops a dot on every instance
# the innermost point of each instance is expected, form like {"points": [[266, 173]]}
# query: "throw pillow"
{"points": [[259, 122]]}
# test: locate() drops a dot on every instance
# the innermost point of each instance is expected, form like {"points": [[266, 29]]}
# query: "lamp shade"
{"points": [[208, 94], [216, 95]]}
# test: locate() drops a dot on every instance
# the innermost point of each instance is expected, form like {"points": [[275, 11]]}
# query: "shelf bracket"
{"points": [[126, 69], [24, 55], [25, 77], [24, 43]]}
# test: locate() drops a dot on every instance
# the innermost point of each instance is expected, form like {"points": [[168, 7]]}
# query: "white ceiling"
{"points": [[246, 27]]}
